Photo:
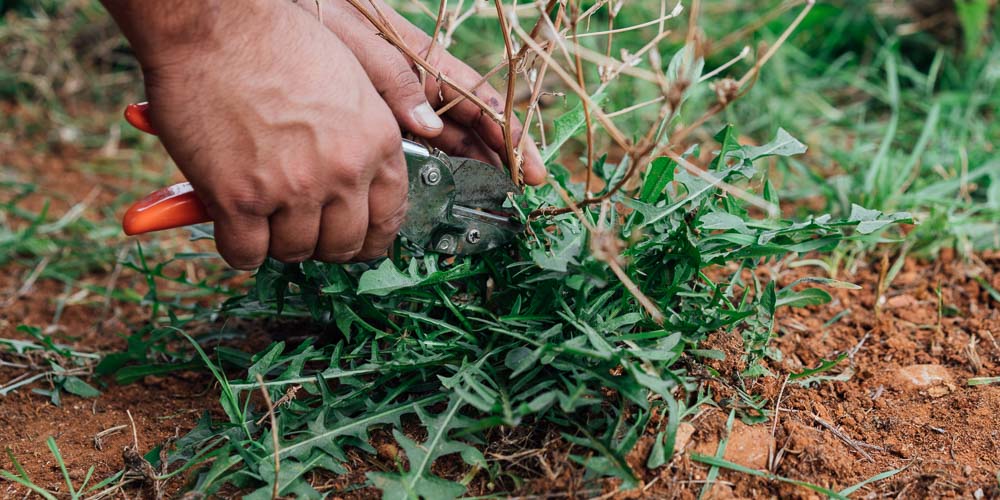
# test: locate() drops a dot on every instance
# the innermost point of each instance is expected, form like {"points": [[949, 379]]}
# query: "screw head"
{"points": [[430, 175], [473, 236], [446, 243]]}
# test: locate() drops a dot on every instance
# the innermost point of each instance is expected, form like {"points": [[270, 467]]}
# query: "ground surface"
{"points": [[902, 400]]}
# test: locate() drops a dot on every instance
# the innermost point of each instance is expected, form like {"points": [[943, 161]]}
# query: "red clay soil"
{"points": [[906, 404], [903, 400]]}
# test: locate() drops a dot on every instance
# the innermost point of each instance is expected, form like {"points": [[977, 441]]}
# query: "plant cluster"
{"points": [[590, 325], [542, 334]]}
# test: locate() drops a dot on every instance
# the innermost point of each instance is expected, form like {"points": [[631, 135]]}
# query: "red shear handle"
{"points": [[167, 208], [138, 116]]}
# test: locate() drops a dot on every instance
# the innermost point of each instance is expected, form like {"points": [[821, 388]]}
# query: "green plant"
{"points": [[62, 366], [594, 319], [546, 332]]}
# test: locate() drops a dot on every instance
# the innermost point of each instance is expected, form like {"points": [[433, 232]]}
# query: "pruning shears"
{"points": [[456, 204]]}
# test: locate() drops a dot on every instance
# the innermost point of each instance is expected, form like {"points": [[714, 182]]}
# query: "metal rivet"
{"points": [[446, 243], [430, 175], [473, 236]]}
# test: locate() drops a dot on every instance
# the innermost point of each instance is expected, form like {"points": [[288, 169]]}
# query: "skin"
{"points": [[289, 130]]}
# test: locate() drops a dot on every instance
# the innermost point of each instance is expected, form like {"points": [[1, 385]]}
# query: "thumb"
{"points": [[390, 72], [402, 91], [405, 96]]}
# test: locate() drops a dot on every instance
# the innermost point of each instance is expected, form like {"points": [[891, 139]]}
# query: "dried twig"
{"points": [[774, 425], [844, 437], [606, 247], [386, 30], [274, 436], [513, 158], [582, 82]]}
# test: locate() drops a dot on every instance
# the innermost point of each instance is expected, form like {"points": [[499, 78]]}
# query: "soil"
{"points": [[900, 398]]}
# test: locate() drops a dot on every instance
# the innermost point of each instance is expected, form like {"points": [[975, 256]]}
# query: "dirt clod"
{"points": [[922, 376], [748, 445], [684, 433]]}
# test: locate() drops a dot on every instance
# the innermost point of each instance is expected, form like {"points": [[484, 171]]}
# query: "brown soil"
{"points": [[906, 403], [945, 433]]}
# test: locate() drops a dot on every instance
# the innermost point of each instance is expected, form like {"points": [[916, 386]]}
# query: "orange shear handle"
{"points": [[168, 208]]}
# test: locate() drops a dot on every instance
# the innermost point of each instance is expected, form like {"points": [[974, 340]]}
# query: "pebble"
{"points": [[901, 301], [922, 376], [684, 433], [748, 445]]}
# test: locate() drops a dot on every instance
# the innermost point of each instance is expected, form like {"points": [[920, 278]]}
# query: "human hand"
{"points": [[276, 125], [467, 130]]}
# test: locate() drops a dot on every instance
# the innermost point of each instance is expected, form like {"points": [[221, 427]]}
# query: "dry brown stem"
{"points": [[274, 436], [513, 156], [386, 30]]}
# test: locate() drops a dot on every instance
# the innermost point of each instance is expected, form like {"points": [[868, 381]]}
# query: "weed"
{"points": [[541, 333], [593, 321]]}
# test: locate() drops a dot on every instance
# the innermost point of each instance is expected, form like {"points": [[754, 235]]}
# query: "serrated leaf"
{"points": [[563, 252], [870, 221], [728, 143], [724, 221], [782, 145], [387, 278], [358, 427], [418, 482]]}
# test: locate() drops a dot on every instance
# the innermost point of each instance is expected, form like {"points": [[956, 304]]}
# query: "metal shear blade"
{"points": [[457, 204]]}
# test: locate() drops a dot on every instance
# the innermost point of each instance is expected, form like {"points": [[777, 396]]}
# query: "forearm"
{"points": [[161, 31]]}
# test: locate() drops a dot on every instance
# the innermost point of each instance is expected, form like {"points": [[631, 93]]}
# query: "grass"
{"points": [[593, 322], [909, 127]]}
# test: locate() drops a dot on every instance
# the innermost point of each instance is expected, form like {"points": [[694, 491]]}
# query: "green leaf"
{"points": [[870, 221], [418, 482], [825, 365], [719, 462], [974, 16], [803, 298], [782, 145], [728, 144], [386, 278], [74, 385], [685, 66], [660, 173], [568, 125], [724, 221], [562, 252], [877, 477], [322, 435]]}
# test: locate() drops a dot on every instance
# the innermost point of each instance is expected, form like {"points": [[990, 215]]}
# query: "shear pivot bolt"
{"points": [[473, 236], [446, 243], [430, 175]]}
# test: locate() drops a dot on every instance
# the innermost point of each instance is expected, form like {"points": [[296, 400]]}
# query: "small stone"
{"points": [[387, 451], [941, 390], [683, 437], [749, 445], [978, 495], [922, 376], [900, 301], [720, 491]]}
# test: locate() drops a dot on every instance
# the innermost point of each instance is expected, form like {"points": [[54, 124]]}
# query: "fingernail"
{"points": [[425, 116]]}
